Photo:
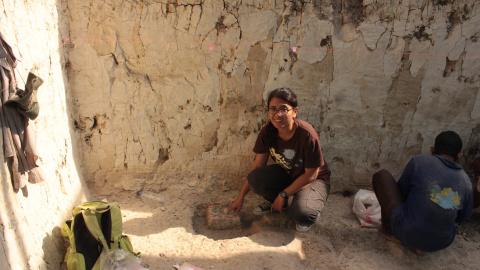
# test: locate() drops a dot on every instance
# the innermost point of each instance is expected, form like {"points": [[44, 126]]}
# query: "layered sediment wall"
{"points": [[172, 92]]}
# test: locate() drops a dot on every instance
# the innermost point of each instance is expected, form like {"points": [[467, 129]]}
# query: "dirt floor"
{"points": [[175, 232]]}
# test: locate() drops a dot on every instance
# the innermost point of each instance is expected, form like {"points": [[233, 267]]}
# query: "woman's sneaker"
{"points": [[266, 208], [302, 228]]}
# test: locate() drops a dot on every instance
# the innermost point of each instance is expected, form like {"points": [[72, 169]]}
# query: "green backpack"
{"points": [[96, 226]]}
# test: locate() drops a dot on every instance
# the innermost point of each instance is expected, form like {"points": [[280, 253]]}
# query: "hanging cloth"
{"points": [[18, 131]]}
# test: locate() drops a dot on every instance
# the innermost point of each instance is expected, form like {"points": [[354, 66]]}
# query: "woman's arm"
{"points": [[260, 160], [301, 182]]}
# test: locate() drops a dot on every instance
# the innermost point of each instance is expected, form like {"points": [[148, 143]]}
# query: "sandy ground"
{"points": [[175, 232]]}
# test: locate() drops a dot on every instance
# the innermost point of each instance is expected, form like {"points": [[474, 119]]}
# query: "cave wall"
{"points": [[171, 93], [31, 218]]}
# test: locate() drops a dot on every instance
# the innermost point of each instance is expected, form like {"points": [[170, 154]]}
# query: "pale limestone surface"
{"points": [[163, 96], [173, 94]]}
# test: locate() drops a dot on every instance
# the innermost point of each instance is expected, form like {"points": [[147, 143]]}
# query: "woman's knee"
{"points": [[268, 177], [258, 180], [303, 215], [305, 212], [253, 179]]}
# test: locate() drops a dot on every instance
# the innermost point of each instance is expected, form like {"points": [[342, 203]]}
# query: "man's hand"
{"points": [[236, 206]]}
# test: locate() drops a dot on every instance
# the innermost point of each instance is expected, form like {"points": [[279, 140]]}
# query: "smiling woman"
{"points": [[299, 170], [282, 118]]}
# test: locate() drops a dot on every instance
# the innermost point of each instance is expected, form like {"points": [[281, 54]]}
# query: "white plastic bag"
{"points": [[187, 266], [119, 259], [367, 209]]}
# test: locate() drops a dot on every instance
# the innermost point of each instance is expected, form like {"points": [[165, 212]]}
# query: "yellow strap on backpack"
{"points": [[91, 220]]}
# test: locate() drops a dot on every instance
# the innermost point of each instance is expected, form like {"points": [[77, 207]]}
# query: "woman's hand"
{"points": [[278, 203], [260, 160], [236, 206]]}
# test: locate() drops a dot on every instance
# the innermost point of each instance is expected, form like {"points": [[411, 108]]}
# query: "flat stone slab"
{"points": [[217, 218]]}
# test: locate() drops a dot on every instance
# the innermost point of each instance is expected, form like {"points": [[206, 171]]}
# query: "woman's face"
{"points": [[279, 120]]}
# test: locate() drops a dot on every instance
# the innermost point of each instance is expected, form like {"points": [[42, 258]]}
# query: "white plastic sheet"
{"points": [[119, 259]]}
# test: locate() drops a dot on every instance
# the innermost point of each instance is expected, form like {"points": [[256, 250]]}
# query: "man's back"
{"points": [[437, 193]]}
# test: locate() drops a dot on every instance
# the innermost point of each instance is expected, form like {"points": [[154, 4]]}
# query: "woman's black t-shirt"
{"points": [[301, 151]]}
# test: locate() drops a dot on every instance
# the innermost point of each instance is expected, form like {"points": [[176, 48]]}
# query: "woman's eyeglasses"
{"points": [[280, 112]]}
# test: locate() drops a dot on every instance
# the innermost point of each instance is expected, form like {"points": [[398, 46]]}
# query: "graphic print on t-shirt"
{"points": [[279, 159], [445, 198], [289, 154], [285, 158]]}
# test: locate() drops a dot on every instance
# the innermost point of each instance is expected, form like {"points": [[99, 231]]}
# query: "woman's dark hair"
{"points": [[285, 94], [448, 143], [290, 97]]}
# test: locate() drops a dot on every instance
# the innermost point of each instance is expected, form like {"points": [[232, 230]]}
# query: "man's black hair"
{"points": [[448, 143]]}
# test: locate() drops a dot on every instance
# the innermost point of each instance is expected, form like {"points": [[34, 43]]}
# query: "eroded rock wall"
{"points": [[172, 92], [31, 218]]}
